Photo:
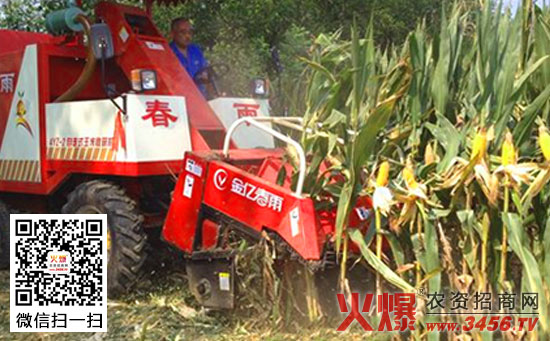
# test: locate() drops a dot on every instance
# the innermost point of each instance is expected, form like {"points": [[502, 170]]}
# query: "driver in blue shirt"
{"points": [[189, 54]]}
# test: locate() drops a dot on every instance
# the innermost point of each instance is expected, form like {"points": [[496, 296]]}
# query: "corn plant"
{"points": [[444, 132]]}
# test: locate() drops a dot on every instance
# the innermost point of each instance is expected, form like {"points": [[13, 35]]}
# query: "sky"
{"points": [[514, 4]]}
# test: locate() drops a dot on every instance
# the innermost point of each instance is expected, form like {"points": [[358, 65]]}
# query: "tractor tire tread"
{"points": [[127, 235]]}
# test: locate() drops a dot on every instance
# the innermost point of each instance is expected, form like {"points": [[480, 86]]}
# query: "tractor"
{"points": [[100, 117]]}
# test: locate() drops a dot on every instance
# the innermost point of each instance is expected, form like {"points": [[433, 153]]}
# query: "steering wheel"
{"points": [[210, 73]]}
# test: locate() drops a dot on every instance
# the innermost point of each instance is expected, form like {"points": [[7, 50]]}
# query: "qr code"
{"points": [[58, 272]]}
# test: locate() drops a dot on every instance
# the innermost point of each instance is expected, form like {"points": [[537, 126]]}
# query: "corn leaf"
{"points": [[519, 244], [378, 265]]}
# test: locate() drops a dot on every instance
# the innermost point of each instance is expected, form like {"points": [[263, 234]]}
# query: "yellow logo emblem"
{"points": [[21, 119]]}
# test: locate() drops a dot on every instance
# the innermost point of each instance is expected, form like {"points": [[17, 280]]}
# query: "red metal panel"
{"points": [[269, 170], [220, 186], [210, 231], [117, 168], [181, 220], [16, 41], [69, 60], [63, 169], [223, 185]]}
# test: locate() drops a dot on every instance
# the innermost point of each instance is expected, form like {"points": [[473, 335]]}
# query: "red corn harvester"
{"points": [[97, 116]]}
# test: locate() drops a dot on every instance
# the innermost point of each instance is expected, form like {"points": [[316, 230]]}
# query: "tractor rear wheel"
{"points": [[4, 237], [126, 239]]}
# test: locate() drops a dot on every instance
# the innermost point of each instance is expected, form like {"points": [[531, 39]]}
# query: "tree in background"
{"points": [[26, 15], [244, 33]]}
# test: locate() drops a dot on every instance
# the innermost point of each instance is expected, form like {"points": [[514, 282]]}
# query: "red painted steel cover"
{"points": [[11, 41]]}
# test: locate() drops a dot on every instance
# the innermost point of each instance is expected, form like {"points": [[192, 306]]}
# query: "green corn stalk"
{"points": [[436, 90]]}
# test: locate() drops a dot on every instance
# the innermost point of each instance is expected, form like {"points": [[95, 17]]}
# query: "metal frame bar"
{"points": [[290, 122], [254, 122]]}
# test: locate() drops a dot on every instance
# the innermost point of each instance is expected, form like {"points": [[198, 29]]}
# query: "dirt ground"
{"points": [[162, 308]]}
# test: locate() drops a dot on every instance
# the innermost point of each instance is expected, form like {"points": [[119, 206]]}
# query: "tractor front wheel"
{"points": [[126, 239], [4, 237]]}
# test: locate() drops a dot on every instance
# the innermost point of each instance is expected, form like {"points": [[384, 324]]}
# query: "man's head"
{"points": [[182, 32]]}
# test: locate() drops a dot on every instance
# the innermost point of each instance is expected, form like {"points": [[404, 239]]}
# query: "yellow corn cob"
{"points": [[508, 150], [544, 142], [408, 175], [383, 173], [292, 155], [394, 133], [429, 156], [479, 145]]}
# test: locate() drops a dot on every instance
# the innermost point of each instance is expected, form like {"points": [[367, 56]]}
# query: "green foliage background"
{"points": [[241, 33]]}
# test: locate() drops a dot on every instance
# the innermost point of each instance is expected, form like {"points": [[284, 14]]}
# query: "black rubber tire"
{"points": [[4, 237], [128, 240]]}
